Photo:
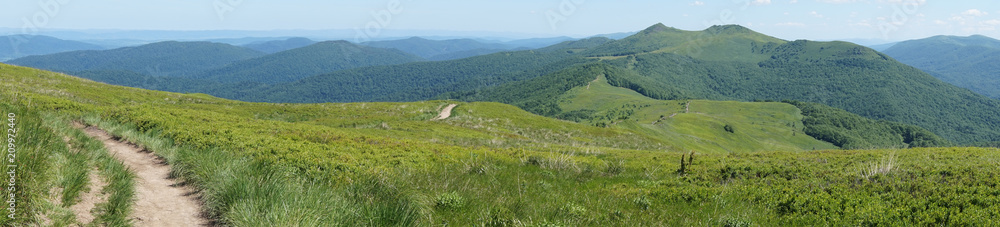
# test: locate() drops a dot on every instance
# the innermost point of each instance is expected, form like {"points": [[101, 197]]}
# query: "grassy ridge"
{"points": [[693, 125], [491, 164]]}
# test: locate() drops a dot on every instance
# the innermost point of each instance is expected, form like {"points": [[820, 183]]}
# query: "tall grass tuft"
{"points": [[89, 152]]}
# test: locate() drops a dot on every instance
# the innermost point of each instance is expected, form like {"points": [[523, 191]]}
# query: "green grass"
{"points": [[758, 126], [52, 173], [386, 164], [119, 192]]}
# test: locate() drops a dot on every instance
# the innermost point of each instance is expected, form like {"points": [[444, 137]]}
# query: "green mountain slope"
{"points": [[734, 63], [275, 46], [416, 81], [295, 64], [16, 46], [968, 62], [158, 59], [850, 131], [574, 94]]}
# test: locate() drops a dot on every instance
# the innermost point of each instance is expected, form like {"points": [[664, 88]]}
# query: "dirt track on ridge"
{"points": [[445, 113], [159, 199]]}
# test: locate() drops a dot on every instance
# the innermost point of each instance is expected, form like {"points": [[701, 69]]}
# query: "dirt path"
{"points": [[687, 107], [445, 113], [159, 201]]}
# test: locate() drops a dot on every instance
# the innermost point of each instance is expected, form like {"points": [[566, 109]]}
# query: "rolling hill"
{"points": [[719, 63], [169, 58], [968, 62], [17, 46], [275, 46], [415, 81], [735, 63], [292, 65]]}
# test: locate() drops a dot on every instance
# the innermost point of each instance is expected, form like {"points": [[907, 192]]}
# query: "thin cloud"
{"points": [[790, 24], [975, 13], [698, 3], [837, 1]]}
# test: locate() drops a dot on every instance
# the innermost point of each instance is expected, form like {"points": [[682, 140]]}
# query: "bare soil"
{"points": [[160, 200], [445, 113]]}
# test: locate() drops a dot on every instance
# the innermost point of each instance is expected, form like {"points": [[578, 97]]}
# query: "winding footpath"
{"points": [[445, 113], [160, 201]]}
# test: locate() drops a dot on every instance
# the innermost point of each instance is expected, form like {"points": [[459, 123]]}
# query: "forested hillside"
{"points": [[968, 62], [417, 81], [169, 58], [295, 64], [734, 63]]}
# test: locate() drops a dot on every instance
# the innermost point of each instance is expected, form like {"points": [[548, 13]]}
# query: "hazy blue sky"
{"points": [[787, 19]]}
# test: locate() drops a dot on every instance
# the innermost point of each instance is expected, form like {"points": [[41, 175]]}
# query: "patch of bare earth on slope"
{"points": [[446, 113]]}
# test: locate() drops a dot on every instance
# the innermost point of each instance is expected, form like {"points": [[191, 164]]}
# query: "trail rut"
{"points": [[159, 199], [445, 113]]}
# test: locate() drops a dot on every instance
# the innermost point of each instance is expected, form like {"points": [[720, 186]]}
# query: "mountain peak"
{"points": [[657, 28], [728, 29]]}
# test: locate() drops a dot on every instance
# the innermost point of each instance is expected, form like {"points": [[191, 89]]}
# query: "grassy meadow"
{"points": [[490, 164]]}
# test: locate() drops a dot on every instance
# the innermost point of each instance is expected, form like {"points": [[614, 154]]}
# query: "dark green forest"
{"points": [[850, 131], [295, 64]]}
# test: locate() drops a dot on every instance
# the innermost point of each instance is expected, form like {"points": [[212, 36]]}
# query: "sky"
{"points": [[787, 19]]}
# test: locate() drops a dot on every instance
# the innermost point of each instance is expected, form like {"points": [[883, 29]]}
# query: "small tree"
{"points": [[729, 128], [682, 165]]}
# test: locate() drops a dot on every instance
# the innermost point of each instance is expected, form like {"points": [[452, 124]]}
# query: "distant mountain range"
{"points": [[275, 46], [169, 58], [438, 49], [719, 63], [16, 46], [968, 62]]}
